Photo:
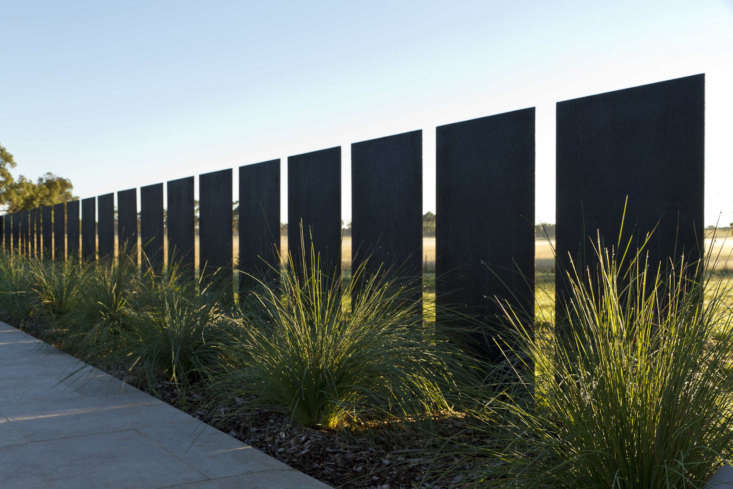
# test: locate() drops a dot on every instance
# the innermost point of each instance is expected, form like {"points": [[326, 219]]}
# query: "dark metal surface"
{"points": [[646, 143], [88, 229], [259, 222], [180, 224], [106, 225], [151, 225], [127, 223], [485, 221], [386, 193], [59, 232], [72, 230], [314, 200], [215, 229]]}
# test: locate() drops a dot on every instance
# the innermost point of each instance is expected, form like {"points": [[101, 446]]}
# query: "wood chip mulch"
{"points": [[379, 458]]}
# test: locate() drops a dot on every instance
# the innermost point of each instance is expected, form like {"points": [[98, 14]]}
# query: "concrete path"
{"points": [[94, 432]]}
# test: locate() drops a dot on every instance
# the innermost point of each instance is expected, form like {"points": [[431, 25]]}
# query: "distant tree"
{"points": [[544, 231], [24, 193], [428, 223]]}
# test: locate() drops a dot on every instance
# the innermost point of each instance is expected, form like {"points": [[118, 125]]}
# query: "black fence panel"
{"points": [[215, 229], [127, 223], [645, 143], [259, 223], [485, 221], [12, 241], [59, 232], [386, 193], [47, 231], [72, 230], [36, 231], [151, 225], [106, 226], [8, 233], [16, 233], [314, 201], [88, 229], [24, 233], [180, 224]]}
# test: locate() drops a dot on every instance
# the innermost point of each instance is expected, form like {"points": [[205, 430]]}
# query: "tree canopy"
{"points": [[24, 193]]}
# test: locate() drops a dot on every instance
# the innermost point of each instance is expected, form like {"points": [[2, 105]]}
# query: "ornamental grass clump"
{"points": [[17, 301], [299, 348], [637, 391], [174, 330], [58, 288], [98, 328]]}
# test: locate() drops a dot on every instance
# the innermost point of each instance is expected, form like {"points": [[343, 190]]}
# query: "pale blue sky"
{"points": [[122, 94]]}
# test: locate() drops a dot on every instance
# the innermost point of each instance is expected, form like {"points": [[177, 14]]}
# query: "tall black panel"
{"points": [[72, 230], [646, 143], [106, 225], [59, 233], [16, 233], [314, 200], [180, 224], [88, 229], [259, 222], [8, 232], [151, 224], [386, 193], [19, 234], [36, 231], [215, 227], [127, 223], [485, 221], [47, 231], [24, 232], [2, 233]]}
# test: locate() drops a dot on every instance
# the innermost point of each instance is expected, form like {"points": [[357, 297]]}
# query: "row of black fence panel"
{"points": [[645, 144]]}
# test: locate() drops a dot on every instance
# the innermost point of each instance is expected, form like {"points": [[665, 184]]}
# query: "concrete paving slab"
{"points": [[123, 459], [214, 453], [93, 431], [279, 479]]}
